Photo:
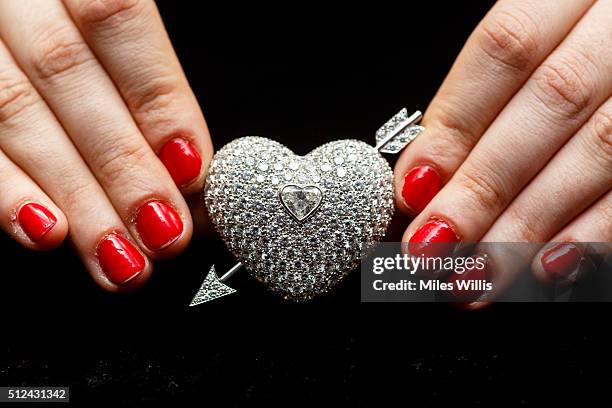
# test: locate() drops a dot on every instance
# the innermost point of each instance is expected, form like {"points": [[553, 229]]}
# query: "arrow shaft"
{"points": [[232, 271]]}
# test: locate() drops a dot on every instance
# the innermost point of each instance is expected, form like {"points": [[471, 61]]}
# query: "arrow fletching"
{"points": [[398, 132]]}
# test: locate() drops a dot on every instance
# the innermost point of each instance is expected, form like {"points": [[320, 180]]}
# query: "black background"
{"points": [[304, 75]]}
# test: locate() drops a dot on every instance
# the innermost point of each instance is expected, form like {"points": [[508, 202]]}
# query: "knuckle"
{"points": [[153, 95], [561, 87], [58, 51], [604, 211], [525, 226], [454, 130], [510, 40], [118, 159], [77, 198], [483, 190], [108, 13], [602, 135], [16, 95]]}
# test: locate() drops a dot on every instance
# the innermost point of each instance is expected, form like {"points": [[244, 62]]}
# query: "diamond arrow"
{"points": [[398, 132], [391, 138], [213, 286]]}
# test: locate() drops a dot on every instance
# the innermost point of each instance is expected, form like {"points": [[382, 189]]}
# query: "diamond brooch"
{"points": [[300, 224]]}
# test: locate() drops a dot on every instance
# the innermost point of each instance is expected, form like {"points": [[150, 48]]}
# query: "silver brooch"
{"points": [[299, 224]]}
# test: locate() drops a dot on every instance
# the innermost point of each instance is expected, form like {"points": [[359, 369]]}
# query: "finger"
{"points": [[35, 142], [497, 59], [565, 258], [55, 57], [552, 106], [578, 175], [152, 84], [28, 215]]}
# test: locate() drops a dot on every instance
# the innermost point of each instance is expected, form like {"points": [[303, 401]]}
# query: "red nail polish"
{"points": [[421, 184], [561, 260], [470, 285], [36, 220], [119, 259], [158, 224], [182, 160], [433, 239]]}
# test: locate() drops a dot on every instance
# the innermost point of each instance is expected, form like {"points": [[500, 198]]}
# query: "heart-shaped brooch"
{"points": [[300, 224]]}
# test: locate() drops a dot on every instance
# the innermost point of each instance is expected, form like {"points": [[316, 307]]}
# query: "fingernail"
{"points": [[471, 284], [182, 160], [119, 259], [561, 260], [433, 239], [36, 220], [421, 184], [158, 224]]}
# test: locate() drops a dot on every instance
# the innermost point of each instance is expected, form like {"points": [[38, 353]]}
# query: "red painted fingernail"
{"points": [[36, 220], [119, 259], [421, 184], [158, 224], [472, 283], [182, 160], [561, 260], [433, 239]]}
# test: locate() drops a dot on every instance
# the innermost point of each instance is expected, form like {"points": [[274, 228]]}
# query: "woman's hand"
{"points": [[99, 131], [518, 145]]}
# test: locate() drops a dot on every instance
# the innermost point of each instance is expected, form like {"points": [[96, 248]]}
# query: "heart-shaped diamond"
{"points": [[299, 223], [301, 202]]}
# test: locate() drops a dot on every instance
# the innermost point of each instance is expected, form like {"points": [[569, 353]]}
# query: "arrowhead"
{"points": [[212, 288]]}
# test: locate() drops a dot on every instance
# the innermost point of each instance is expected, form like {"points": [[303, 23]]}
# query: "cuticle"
{"points": [[447, 222], [177, 135], [14, 212]]}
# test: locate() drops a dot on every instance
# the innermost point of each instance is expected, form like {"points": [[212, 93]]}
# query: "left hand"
{"points": [[518, 140]]}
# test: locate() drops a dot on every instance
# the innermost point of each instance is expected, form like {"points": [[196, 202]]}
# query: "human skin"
{"points": [[520, 137], [100, 135], [516, 148]]}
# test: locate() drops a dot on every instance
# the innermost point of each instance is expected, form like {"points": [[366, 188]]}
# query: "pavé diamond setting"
{"points": [[300, 224]]}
